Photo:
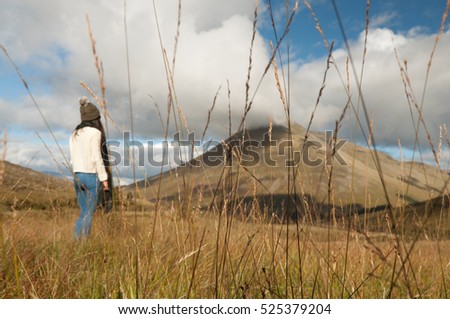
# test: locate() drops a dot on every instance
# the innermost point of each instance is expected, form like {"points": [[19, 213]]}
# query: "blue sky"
{"points": [[50, 44], [400, 16]]}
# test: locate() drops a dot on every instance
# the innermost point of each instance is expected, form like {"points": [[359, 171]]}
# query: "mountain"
{"points": [[260, 175], [23, 188]]}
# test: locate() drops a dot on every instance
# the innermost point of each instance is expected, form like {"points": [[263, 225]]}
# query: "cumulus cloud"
{"points": [[382, 86], [383, 19], [213, 48], [50, 43], [28, 150]]}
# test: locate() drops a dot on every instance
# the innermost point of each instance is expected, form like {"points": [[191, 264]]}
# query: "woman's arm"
{"points": [[97, 158]]}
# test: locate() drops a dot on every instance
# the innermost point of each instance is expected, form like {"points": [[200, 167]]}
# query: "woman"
{"points": [[87, 164]]}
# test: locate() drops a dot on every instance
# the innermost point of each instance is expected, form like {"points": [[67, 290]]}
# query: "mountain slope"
{"points": [[24, 188], [259, 173]]}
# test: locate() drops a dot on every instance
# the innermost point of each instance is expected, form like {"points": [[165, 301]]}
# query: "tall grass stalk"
{"points": [[5, 274], [2, 164], [38, 108], [221, 249], [375, 153]]}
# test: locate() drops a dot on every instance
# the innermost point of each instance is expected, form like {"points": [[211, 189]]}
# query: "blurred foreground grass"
{"points": [[211, 256]]}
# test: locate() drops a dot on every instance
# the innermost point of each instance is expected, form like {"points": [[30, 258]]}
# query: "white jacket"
{"points": [[85, 152]]}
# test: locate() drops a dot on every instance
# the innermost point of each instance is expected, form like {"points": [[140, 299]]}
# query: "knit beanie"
{"points": [[88, 111]]}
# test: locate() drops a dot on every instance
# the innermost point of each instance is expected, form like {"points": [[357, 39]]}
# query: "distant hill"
{"points": [[429, 219], [54, 174], [24, 188], [355, 181]]}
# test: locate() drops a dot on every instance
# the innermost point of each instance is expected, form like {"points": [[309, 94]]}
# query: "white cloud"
{"points": [[49, 41], [29, 151], [382, 86], [52, 40], [383, 20]]}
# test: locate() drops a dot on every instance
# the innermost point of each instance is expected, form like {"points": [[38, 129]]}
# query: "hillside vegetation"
{"points": [[343, 222], [23, 188], [208, 256]]}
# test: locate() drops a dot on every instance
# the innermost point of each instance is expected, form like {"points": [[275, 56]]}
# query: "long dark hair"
{"points": [[97, 124]]}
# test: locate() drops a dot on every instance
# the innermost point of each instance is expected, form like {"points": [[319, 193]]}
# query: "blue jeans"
{"points": [[87, 186]]}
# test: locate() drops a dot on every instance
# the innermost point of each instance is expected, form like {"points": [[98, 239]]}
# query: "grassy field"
{"points": [[209, 247], [208, 256]]}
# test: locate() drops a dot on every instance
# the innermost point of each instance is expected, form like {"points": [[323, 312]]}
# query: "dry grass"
{"points": [[41, 260], [3, 159], [204, 244], [24, 189]]}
